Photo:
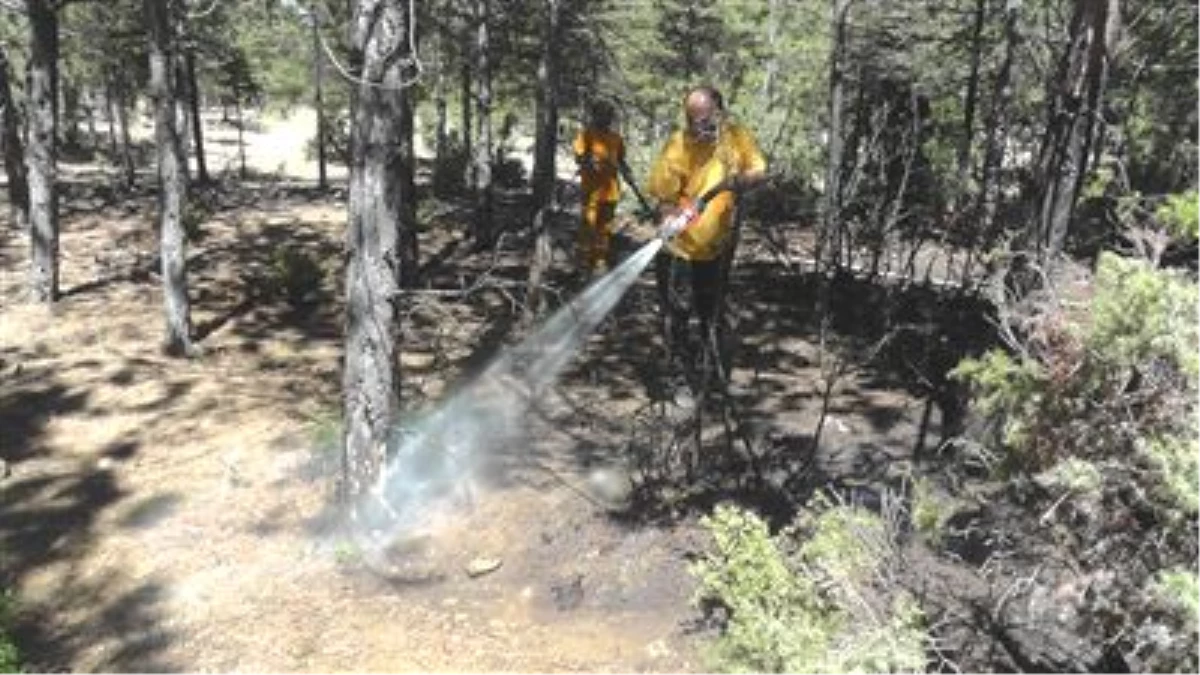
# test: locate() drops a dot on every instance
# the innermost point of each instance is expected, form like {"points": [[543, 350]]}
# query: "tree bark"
{"points": [[42, 150], [467, 102], [543, 168], [546, 139], [970, 100], [483, 230], [14, 152], [997, 130], [319, 100], [123, 103], [1076, 102], [441, 136], [193, 88], [173, 241], [829, 237], [370, 380]]}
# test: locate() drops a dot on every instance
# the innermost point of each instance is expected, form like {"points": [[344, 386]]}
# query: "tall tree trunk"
{"points": [[240, 121], [1076, 101], [171, 188], [467, 103], [970, 100], [124, 102], [771, 70], [442, 141], [42, 151], [997, 129], [193, 88], [370, 381], [483, 112], [14, 152], [110, 110], [319, 100], [543, 161], [829, 238], [407, 188], [69, 122], [546, 138]]}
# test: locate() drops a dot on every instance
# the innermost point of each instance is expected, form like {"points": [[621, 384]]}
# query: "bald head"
{"points": [[703, 107]]}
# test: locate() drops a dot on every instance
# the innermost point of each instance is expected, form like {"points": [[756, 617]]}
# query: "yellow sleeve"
{"points": [[750, 157], [579, 145], [666, 175]]}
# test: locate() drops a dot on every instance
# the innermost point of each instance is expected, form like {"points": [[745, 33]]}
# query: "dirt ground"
{"points": [[164, 515]]}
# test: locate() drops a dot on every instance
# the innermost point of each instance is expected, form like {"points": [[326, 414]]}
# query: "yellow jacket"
{"points": [[607, 149], [686, 169]]}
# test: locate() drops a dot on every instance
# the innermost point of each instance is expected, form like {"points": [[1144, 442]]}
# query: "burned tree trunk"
{"points": [[1076, 99], [14, 153], [547, 108], [171, 188], [543, 166], [42, 150], [319, 100], [829, 236], [193, 89], [370, 381], [483, 230]]}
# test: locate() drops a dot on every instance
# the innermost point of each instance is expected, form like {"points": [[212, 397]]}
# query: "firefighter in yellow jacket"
{"points": [[703, 167], [600, 153]]}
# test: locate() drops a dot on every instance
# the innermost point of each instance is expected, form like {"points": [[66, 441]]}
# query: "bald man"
{"points": [[706, 166]]}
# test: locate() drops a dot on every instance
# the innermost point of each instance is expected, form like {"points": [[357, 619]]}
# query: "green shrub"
{"points": [[1181, 215], [1181, 589], [1100, 378], [812, 610], [295, 276], [10, 661]]}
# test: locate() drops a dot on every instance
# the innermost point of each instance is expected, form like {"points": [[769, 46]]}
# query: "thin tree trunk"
{"points": [[42, 151], [111, 113], [771, 69], [970, 100], [123, 104], [173, 242], [997, 132], [467, 101], [1075, 107], [193, 87], [319, 100], [407, 189], [831, 221], [546, 140], [483, 151], [241, 127], [442, 141], [543, 167], [370, 381], [14, 152]]}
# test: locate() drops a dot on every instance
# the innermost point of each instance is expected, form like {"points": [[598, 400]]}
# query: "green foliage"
{"points": [[1068, 393], [928, 513], [295, 275], [1182, 589], [10, 660], [811, 611], [1177, 460], [1142, 315], [1180, 214]]}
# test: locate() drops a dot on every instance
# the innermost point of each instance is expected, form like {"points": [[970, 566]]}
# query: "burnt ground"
{"points": [[176, 515]]}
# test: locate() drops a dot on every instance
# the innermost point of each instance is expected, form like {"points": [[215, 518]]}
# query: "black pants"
{"points": [[692, 300]]}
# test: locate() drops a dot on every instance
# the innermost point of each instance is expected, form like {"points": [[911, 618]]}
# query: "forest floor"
{"points": [[159, 514]]}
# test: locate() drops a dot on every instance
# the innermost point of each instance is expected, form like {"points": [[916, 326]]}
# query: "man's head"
{"points": [[601, 114], [705, 111]]}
